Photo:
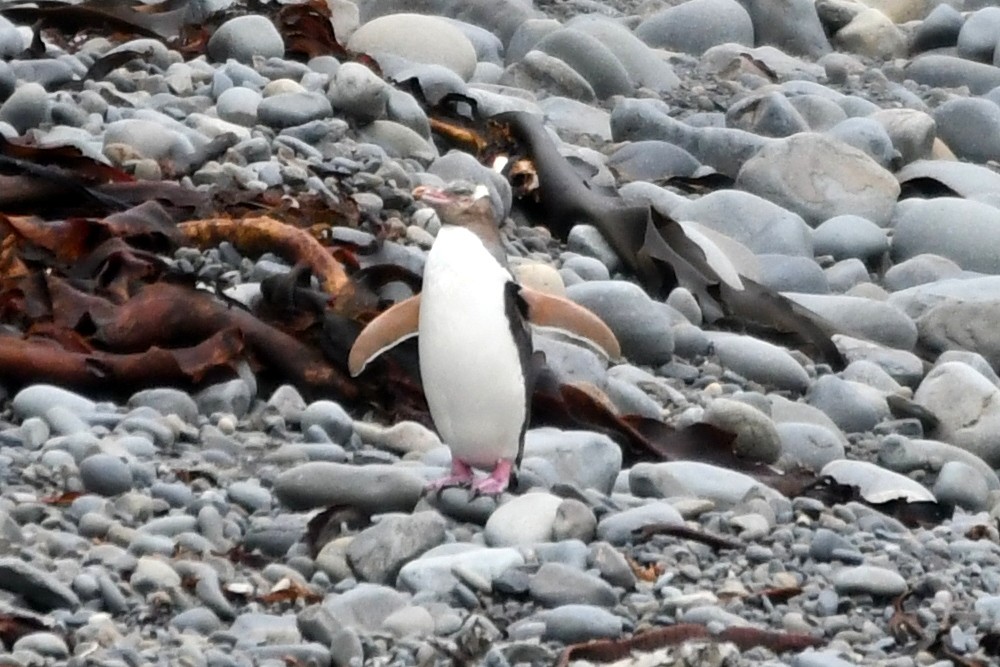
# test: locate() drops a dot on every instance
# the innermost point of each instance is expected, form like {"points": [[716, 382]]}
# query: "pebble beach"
{"points": [[842, 153]]}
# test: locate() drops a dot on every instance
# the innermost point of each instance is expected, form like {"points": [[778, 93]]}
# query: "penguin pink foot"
{"points": [[496, 483], [461, 475]]}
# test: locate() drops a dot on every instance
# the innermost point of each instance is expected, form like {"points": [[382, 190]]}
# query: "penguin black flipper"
{"points": [[518, 309], [398, 323], [546, 310]]}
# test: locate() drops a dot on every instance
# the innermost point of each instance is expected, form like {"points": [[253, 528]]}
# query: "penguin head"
{"points": [[467, 205], [459, 203]]}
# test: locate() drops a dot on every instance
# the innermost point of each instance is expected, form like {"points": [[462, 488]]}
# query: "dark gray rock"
{"points": [[105, 474], [590, 58], [40, 589], [641, 325], [376, 488], [377, 554], [556, 584]]}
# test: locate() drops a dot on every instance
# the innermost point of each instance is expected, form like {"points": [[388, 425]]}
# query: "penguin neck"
{"points": [[484, 232]]}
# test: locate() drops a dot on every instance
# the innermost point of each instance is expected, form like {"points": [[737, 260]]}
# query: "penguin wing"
{"points": [[546, 310], [390, 328]]}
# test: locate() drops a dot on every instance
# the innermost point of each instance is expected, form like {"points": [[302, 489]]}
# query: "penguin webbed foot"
{"points": [[461, 475], [497, 481]]}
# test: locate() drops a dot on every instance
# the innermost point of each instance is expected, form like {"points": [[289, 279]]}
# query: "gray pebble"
{"points": [[329, 416], [875, 581], [556, 584], [573, 623], [105, 474]]}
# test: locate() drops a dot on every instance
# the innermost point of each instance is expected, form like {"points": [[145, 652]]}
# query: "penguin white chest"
{"points": [[469, 361]]}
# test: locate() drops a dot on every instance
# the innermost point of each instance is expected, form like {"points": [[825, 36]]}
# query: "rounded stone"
{"points": [[819, 177], [238, 105], [960, 484], [756, 437], [590, 59], [846, 236], [970, 127], [697, 25], [244, 37], [641, 325], [26, 108], [961, 230], [418, 38], [105, 474], [358, 92]]}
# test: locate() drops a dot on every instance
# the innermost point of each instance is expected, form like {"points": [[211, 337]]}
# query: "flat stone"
{"points": [[759, 361], [794, 26], [692, 479], [375, 488], [978, 37], [871, 33], [644, 65], [876, 484], [434, 571], [573, 623], [167, 401], [358, 92], [293, 109], [330, 417], [26, 108], [946, 71], [619, 528], [958, 229], [865, 318], [869, 579], [818, 178], [556, 584], [969, 127], [365, 607], [911, 131], [539, 70], [969, 181], [37, 399]]}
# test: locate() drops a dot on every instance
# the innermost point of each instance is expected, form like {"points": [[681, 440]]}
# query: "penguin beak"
{"points": [[431, 195]]}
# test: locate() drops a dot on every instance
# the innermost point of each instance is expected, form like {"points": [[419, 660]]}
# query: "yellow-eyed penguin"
{"points": [[474, 342]]}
